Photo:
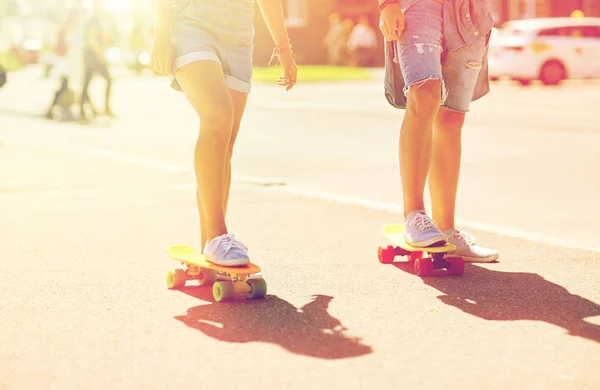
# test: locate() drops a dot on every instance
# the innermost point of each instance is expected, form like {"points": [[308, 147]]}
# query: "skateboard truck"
{"points": [[423, 265]]}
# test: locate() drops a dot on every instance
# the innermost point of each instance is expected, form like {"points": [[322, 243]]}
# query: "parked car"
{"points": [[546, 49]]}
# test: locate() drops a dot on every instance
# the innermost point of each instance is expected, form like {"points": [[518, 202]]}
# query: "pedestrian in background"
{"points": [[68, 62], [362, 43], [334, 55], [95, 60]]}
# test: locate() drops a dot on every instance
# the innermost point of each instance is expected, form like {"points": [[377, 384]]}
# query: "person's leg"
{"points": [[204, 86], [445, 166], [85, 97], [420, 50], [103, 71], [64, 86], [239, 100], [415, 141], [239, 106], [461, 71]]}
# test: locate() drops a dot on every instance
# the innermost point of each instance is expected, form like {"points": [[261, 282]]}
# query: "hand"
{"points": [[162, 54], [391, 22], [290, 70]]}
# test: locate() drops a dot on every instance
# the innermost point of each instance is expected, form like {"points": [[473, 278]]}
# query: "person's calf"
{"points": [[445, 166]]}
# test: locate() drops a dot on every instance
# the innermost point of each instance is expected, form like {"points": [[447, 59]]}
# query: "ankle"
{"points": [[215, 233], [444, 226], [408, 211]]}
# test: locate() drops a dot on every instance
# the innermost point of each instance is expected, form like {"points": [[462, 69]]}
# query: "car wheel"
{"points": [[552, 73]]}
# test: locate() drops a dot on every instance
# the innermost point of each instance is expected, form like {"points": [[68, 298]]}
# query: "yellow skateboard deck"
{"points": [[226, 281], [423, 265]]}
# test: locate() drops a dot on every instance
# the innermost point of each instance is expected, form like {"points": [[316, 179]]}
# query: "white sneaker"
{"points": [[225, 250], [420, 231], [468, 249]]}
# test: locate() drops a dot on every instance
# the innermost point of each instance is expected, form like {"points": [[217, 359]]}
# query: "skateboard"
{"points": [[226, 281], [424, 266]]}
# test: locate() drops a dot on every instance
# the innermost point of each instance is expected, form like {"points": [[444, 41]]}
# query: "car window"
{"points": [[571, 32], [555, 32], [591, 31]]}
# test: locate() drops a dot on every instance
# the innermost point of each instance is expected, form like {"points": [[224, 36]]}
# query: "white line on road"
{"points": [[321, 195], [396, 209], [135, 160]]}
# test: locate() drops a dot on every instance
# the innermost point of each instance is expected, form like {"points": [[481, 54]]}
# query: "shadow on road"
{"points": [[308, 331], [512, 296]]}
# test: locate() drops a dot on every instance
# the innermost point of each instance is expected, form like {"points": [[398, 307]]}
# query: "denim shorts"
{"points": [[215, 30], [422, 56]]}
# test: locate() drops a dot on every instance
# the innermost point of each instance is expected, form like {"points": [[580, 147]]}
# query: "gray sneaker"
{"points": [[467, 248], [225, 250], [420, 231]]}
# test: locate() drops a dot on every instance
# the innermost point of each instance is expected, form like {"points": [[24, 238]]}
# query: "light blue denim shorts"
{"points": [[422, 56], [215, 30]]}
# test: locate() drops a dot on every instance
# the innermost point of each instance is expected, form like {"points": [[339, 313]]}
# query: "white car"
{"points": [[546, 49]]}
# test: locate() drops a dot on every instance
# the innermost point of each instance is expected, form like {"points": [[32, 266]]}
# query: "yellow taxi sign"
{"points": [[578, 14]]}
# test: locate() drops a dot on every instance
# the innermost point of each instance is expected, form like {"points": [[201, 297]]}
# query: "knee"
{"points": [[450, 121], [216, 124], [218, 116], [424, 98]]}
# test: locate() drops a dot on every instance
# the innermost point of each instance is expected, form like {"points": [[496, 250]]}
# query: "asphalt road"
{"points": [[86, 213]]}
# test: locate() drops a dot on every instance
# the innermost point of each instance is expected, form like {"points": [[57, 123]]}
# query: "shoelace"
{"points": [[464, 237], [228, 241], [423, 222]]}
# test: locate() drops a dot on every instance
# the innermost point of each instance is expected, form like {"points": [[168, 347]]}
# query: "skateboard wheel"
{"points": [[259, 288], [207, 276], [413, 256], [386, 255], [456, 265], [175, 278], [222, 291], [423, 267]]}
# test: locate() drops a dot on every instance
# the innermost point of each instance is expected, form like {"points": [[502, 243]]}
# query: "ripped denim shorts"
{"points": [[422, 56]]}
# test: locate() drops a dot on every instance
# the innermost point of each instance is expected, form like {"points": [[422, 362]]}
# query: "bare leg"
{"points": [[445, 166], [415, 141], [239, 106], [202, 221], [85, 97], [64, 87], [204, 85]]}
